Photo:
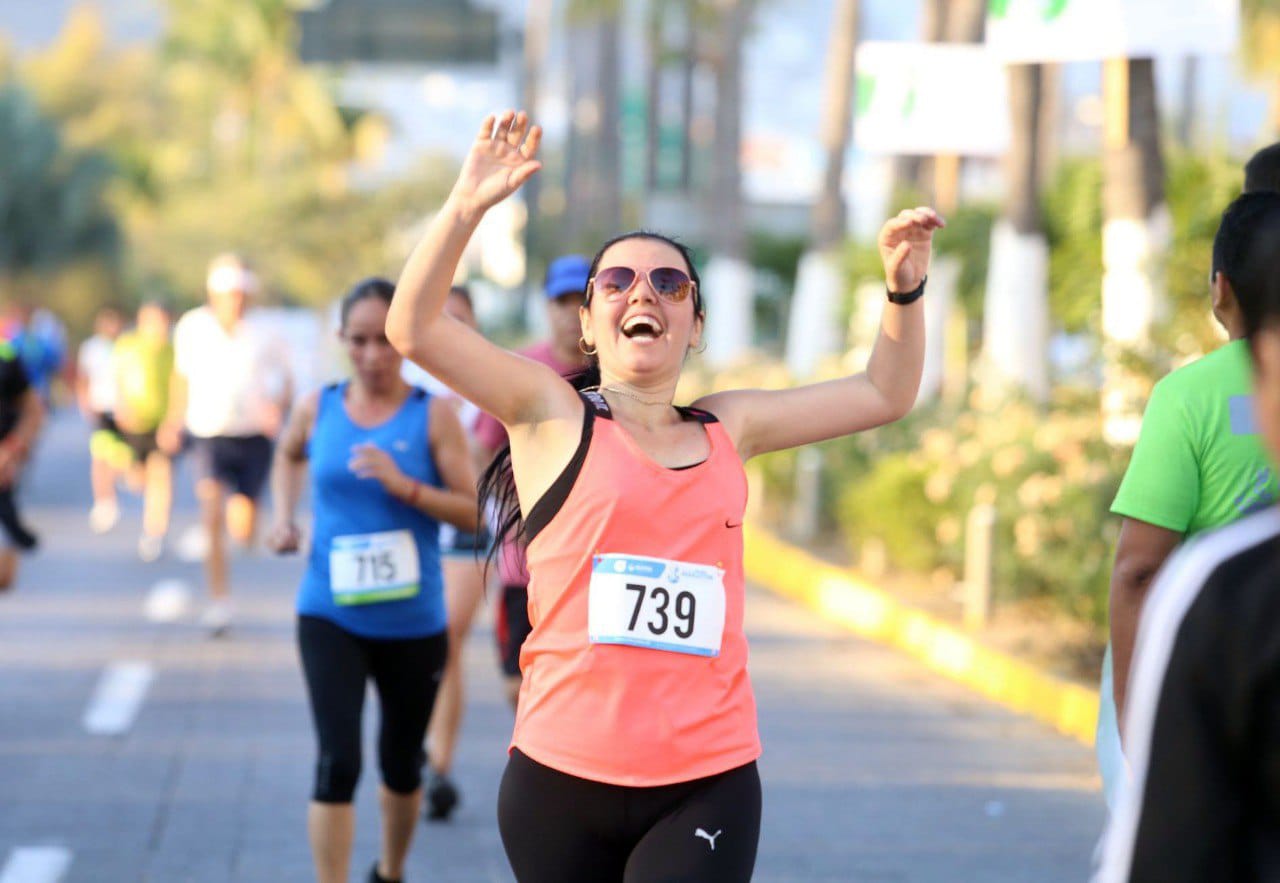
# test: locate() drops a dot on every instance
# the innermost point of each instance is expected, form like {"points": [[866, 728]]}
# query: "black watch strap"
{"points": [[907, 297]]}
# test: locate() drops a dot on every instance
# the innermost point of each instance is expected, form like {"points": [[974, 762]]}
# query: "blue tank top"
{"points": [[366, 542]]}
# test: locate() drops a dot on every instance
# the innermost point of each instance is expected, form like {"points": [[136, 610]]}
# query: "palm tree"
{"points": [[811, 332], [595, 140], [728, 278], [1136, 233], [1016, 314], [537, 36]]}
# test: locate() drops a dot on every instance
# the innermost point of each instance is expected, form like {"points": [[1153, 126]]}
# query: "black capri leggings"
{"points": [[406, 673], [558, 828]]}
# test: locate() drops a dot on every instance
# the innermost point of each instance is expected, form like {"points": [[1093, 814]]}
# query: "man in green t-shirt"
{"points": [[1198, 465], [143, 363]]}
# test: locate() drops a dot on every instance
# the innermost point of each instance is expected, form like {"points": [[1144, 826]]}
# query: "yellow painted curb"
{"points": [[840, 597]]}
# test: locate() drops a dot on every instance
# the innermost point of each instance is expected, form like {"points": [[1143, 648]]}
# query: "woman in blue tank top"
{"points": [[387, 464]]}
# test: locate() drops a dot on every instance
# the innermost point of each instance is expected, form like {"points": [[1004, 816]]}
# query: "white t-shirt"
{"points": [[232, 379], [94, 364]]}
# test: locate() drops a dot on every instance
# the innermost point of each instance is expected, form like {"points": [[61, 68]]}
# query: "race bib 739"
{"points": [[656, 603]]}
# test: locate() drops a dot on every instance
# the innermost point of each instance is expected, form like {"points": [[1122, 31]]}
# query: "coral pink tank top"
{"points": [[635, 672]]}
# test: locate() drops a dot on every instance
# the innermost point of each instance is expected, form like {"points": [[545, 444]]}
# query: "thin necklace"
{"points": [[623, 392]]}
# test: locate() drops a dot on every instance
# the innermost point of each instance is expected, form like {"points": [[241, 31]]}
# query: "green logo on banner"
{"points": [[1049, 9], [866, 89], [866, 92]]}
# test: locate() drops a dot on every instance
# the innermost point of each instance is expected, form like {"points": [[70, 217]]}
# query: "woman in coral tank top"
{"points": [[635, 742]]}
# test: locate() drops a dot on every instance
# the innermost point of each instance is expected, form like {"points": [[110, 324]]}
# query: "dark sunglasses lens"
{"points": [[614, 280], [671, 283]]}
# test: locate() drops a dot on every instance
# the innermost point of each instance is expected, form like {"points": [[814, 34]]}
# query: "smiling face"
{"points": [[374, 360], [639, 335]]}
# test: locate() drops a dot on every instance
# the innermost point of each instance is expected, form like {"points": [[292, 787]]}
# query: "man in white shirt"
{"points": [[231, 390]]}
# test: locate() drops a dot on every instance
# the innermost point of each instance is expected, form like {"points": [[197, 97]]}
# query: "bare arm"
{"points": [[769, 420], [288, 473], [1141, 552], [456, 502], [512, 388]]}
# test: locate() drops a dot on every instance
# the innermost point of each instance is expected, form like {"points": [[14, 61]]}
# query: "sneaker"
{"points": [[150, 548], [103, 516], [375, 877], [217, 617], [442, 797]]}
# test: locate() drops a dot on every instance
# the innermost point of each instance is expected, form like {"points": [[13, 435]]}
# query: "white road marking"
{"points": [[36, 864], [118, 697]]}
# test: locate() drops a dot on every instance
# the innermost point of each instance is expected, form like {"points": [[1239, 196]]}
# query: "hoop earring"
{"points": [[582, 346], [700, 348]]}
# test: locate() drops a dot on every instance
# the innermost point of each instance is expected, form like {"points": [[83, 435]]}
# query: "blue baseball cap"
{"points": [[567, 275]]}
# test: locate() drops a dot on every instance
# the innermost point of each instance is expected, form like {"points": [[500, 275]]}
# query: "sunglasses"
{"points": [[669, 283]]}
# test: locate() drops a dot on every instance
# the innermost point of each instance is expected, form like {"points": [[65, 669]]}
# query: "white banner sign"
{"points": [[1024, 31], [928, 98]]}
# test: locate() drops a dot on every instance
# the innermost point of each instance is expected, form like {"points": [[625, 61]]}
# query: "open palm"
{"points": [[502, 158], [906, 242]]}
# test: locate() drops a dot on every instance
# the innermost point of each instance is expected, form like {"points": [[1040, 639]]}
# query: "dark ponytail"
{"points": [[497, 483]]}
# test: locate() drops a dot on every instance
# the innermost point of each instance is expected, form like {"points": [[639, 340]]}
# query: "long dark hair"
{"points": [[373, 286], [497, 485]]}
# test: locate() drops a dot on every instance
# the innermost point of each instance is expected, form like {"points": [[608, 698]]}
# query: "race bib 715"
{"points": [[370, 567]]}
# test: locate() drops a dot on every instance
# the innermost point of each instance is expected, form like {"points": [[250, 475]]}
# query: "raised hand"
{"points": [[503, 157], [905, 244]]}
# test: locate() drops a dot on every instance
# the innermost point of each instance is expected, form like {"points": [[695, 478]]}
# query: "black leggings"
{"points": [[559, 828], [406, 673]]}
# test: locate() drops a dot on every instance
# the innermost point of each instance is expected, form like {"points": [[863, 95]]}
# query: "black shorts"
{"points": [[141, 445], [240, 463], [459, 544], [558, 828], [105, 421], [512, 627]]}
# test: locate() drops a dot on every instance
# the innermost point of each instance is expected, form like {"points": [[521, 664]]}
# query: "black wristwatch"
{"points": [[907, 297]]}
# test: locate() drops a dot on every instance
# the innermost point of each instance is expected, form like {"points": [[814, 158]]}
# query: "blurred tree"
{"points": [[114, 111], [594, 165], [728, 277], [1136, 236], [1016, 315], [235, 64], [53, 210], [1260, 38], [537, 36], [813, 333]]}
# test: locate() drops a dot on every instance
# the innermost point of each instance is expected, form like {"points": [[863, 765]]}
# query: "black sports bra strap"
{"points": [[690, 413], [550, 502], [596, 403]]}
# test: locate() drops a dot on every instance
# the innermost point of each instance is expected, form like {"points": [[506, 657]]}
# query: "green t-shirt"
{"points": [[142, 368], [1199, 463]]}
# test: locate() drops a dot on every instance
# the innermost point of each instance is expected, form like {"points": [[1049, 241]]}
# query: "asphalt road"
{"points": [[874, 769]]}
